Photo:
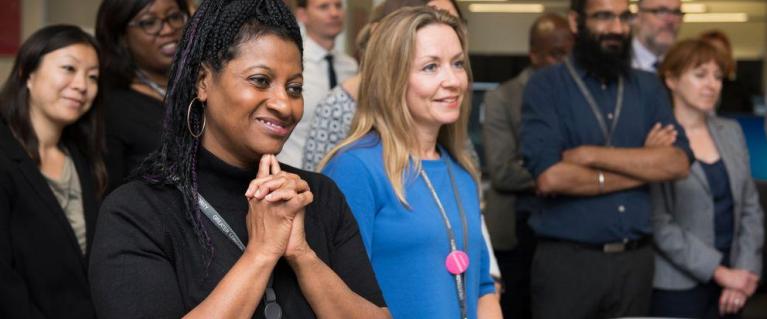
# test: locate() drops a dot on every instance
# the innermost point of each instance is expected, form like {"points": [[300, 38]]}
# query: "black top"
{"points": [[724, 222], [133, 127], [147, 262], [42, 269]]}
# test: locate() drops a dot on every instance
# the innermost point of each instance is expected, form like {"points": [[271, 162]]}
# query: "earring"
{"points": [[189, 122]]}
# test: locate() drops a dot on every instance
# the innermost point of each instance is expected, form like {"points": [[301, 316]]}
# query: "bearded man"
{"points": [[595, 132]]}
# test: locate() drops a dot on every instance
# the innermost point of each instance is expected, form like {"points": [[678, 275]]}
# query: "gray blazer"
{"points": [[683, 217], [500, 132]]}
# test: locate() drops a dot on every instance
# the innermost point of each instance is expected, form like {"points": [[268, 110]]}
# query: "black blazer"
{"points": [[42, 271]]}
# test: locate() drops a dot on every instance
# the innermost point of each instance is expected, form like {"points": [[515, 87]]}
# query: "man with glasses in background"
{"points": [[655, 30], [594, 133]]}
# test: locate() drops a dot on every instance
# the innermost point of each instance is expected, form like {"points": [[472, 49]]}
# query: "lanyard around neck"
{"points": [[144, 79], [459, 280], [608, 133], [272, 309]]}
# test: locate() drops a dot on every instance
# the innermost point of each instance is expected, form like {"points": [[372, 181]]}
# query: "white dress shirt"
{"points": [[316, 86], [642, 58]]}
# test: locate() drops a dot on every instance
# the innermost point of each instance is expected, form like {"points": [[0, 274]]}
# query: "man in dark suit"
{"points": [[510, 198]]}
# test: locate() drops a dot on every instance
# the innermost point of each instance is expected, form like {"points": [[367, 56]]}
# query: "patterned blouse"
{"points": [[332, 120]]}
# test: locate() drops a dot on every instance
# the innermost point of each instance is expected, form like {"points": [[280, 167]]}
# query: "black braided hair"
{"points": [[211, 38]]}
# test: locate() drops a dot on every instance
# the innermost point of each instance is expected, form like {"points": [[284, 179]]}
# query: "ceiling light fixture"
{"points": [[716, 17], [506, 7]]}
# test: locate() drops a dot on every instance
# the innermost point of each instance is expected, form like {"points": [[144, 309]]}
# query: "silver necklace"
{"points": [[144, 79]]}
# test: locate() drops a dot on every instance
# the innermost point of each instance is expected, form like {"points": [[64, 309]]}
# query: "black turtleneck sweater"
{"points": [[147, 262]]}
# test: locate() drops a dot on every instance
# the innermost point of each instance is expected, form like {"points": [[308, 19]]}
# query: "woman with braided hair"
{"points": [[215, 227]]}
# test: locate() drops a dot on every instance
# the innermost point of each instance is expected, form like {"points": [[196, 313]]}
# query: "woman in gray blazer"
{"points": [[709, 225]]}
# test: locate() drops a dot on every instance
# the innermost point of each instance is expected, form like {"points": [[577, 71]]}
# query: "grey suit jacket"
{"points": [[683, 217], [500, 133]]}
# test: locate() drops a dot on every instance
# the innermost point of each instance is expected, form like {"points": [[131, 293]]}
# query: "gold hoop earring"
{"points": [[189, 122]]}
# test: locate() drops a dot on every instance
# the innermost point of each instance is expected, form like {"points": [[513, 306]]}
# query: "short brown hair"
{"points": [[689, 54]]}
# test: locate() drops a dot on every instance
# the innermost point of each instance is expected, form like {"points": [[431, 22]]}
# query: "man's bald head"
{"points": [[550, 40]]}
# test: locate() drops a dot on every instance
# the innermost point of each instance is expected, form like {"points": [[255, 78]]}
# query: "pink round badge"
{"points": [[457, 262]]}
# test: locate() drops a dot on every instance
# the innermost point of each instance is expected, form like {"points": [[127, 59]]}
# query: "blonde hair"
{"points": [[382, 107]]}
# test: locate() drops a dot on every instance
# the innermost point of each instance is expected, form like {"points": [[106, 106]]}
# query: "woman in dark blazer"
{"points": [[709, 225], [51, 173]]}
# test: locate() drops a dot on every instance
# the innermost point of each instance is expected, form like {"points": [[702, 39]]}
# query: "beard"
{"points": [[606, 61]]}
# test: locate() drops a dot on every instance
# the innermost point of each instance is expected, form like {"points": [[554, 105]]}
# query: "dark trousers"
{"points": [[515, 270], [572, 281], [700, 302]]}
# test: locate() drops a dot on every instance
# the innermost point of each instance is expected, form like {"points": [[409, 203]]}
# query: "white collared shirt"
{"points": [[316, 86], [642, 58]]}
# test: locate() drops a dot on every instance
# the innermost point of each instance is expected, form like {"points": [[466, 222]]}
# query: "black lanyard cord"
{"points": [[608, 133], [272, 309]]}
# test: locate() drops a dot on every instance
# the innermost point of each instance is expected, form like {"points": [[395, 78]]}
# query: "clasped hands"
{"points": [[737, 286], [275, 219]]}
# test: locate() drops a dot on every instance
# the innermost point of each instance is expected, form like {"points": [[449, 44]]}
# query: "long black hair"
{"points": [[111, 24], [211, 38], [87, 133]]}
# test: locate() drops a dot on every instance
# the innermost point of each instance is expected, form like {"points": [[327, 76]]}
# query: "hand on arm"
{"points": [[660, 136], [738, 285], [657, 161], [736, 279], [576, 173]]}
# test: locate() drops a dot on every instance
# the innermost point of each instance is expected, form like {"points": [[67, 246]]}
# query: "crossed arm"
{"points": [[622, 168]]}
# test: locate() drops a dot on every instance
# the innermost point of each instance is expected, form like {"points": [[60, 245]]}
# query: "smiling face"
{"points": [[438, 81], [697, 87], [63, 86], [154, 52], [254, 102]]}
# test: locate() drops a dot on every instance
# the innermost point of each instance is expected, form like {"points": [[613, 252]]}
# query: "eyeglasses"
{"points": [[664, 12], [154, 25], [607, 16]]}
